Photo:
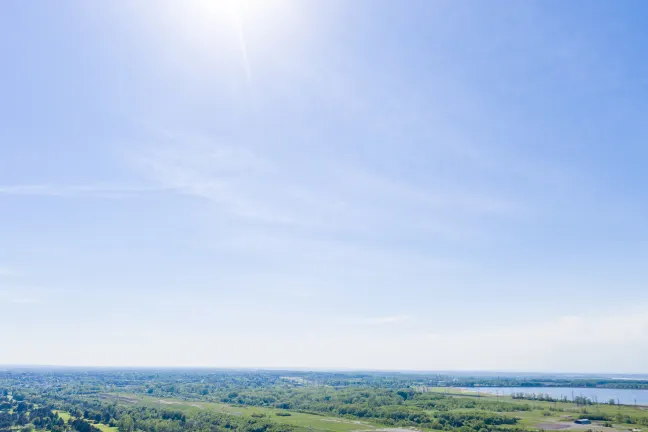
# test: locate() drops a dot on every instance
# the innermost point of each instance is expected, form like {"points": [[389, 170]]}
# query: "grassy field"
{"points": [[104, 428], [64, 415], [302, 421], [542, 415]]}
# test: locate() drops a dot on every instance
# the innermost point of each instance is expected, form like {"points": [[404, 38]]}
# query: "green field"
{"points": [[302, 421], [104, 428], [64, 415]]}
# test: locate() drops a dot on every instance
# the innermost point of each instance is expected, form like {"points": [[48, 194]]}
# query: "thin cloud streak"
{"points": [[14, 296], [26, 300], [77, 191], [390, 319], [241, 39], [333, 198], [7, 271]]}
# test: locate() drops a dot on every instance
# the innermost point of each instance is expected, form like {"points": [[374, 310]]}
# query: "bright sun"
{"points": [[223, 24]]}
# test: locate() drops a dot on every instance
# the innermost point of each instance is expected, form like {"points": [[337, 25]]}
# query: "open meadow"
{"points": [[302, 421]]}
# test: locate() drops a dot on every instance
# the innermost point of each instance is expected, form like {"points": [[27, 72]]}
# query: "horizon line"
{"points": [[5, 367]]}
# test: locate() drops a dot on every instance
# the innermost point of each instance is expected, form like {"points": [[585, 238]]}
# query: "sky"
{"points": [[420, 185]]}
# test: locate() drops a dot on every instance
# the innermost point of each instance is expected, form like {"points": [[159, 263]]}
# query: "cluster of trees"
{"points": [[361, 402], [18, 413], [86, 412], [81, 425], [536, 396], [439, 402], [396, 407], [145, 419], [578, 400]]}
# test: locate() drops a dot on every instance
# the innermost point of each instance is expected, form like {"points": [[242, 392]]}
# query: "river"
{"points": [[603, 395]]}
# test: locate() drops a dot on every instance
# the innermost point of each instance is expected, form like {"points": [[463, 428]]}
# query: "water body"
{"points": [[603, 395]]}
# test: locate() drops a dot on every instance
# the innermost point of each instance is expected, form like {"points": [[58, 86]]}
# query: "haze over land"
{"points": [[325, 184]]}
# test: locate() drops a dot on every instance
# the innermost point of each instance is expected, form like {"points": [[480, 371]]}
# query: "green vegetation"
{"points": [[264, 401], [299, 420], [105, 428], [64, 415]]}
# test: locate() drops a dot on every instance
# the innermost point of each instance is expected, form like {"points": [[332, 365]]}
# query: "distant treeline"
{"points": [[544, 382], [204, 378], [578, 400]]}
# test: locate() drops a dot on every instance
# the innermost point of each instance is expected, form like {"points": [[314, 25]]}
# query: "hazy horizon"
{"points": [[458, 372]]}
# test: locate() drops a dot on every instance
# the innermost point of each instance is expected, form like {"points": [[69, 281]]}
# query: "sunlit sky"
{"points": [[417, 185]]}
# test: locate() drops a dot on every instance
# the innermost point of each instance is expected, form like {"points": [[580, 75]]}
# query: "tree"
{"points": [[126, 424]]}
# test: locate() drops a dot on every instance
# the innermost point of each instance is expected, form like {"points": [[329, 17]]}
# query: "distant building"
{"points": [[583, 421]]}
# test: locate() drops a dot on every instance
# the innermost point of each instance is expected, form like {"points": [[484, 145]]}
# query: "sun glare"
{"points": [[229, 31]]}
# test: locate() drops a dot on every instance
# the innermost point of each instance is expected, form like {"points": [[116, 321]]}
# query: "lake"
{"points": [[625, 396]]}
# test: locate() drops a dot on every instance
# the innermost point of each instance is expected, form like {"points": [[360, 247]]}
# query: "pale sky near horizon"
{"points": [[428, 185]]}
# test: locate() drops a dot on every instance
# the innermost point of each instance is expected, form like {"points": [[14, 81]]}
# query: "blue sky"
{"points": [[360, 184]]}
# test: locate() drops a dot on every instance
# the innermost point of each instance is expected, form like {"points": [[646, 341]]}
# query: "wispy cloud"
{"points": [[238, 180], [389, 319], [322, 195], [234, 12], [81, 191], [595, 342], [16, 295], [616, 327], [26, 300], [7, 271]]}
